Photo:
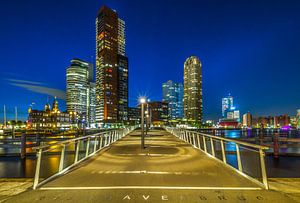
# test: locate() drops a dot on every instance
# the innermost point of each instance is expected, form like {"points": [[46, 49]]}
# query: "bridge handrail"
{"points": [[209, 140], [234, 141], [69, 141], [100, 141]]}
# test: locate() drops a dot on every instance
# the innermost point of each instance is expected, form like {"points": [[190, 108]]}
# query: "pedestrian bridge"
{"points": [[175, 166]]}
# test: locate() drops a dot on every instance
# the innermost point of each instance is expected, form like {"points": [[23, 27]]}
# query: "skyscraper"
{"points": [[193, 90], [227, 104], [173, 94], [111, 68], [80, 90], [247, 120]]}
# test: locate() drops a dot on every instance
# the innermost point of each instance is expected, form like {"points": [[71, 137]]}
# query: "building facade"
{"points": [[81, 90], [192, 98], [50, 119], [111, 68], [227, 104], [173, 95], [247, 120], [158, 112]]}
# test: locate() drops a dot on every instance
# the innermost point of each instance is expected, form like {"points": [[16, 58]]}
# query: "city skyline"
{"points": [[218, 79]]}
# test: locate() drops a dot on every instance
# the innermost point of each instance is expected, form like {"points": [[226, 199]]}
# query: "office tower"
{"points": [[193, 90], [80, 90], [247, 120], [227, 105], [111, 68], [158, 112], [173, 94]]}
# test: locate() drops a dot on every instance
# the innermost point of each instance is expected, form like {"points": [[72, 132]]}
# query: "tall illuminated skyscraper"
{"points": [[173, 94], [111, 68], [192, 98], [81, 90], [227, 104]]}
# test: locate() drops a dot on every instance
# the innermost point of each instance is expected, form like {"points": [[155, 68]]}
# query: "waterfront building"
{"points": [[227, 104], [247, 120], [81, 90], [173, 94], [193, 90], [228, 123], [281, 121], [134, 115], [158, 112], [111, 68], [50, 119]]}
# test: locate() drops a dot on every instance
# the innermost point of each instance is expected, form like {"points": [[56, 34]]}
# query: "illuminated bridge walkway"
{"points": [[169, 169]]}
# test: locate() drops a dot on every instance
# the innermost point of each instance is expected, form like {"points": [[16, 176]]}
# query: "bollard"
{"points": [[23, 146], [276, 146]]}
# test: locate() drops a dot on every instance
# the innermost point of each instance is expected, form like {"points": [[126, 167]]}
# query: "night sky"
{"points": [[250, 49]]}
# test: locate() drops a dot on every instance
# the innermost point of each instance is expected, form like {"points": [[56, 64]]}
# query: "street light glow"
{"points": [[142, 100]]}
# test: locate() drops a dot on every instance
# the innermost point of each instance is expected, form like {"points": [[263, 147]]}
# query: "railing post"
{"points": [[101, 141], [212, 147], [37, 169], [223, 152], [87, 147], [263, 168], [95, 144], [239, 158], [204, 143], [198, 138], [62, 158], [77, 151], [194, 141]]}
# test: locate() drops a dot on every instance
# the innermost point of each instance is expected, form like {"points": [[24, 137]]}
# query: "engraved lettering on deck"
{"points": [[222, 197], [164, 197], [146, 197], [202, 198], [259, 198], [127, 197]]}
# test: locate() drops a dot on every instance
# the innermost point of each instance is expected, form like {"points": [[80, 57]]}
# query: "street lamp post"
{"points": [[142, 102]]}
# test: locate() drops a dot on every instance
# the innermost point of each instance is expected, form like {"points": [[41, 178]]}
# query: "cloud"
{"points": [[24, 81], [35, 87]]}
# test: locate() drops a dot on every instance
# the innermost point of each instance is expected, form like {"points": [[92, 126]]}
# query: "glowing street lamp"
{"points": [[142, 102]]}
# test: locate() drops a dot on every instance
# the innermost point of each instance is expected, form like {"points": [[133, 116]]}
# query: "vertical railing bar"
{"points": [[87, 147], [212, 147], [239, 158], [194, 140], [204, 143], [62, 158], [223, 152], [77, 152], [37, 169], [263, 168], [95, 144], [198, 138]]}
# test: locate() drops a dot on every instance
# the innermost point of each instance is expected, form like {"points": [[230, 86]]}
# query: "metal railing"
{"points": [[231, 152], [79, 149]]}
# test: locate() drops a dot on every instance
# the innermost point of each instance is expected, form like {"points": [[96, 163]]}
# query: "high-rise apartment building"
{"points": [[173, 94], [111, 68], [81, 90], [193, 90]]}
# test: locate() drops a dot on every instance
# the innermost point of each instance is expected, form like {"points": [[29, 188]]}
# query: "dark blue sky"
{"points": [[250, 49]]}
